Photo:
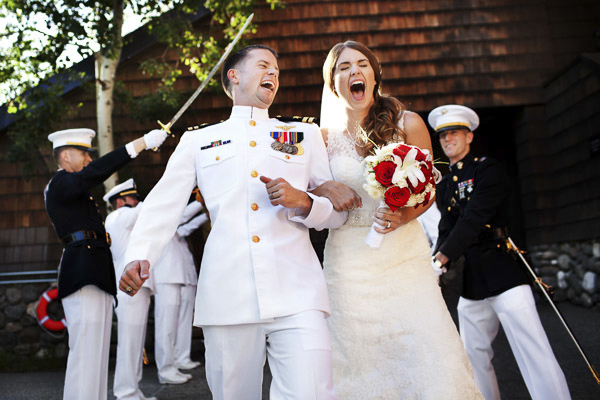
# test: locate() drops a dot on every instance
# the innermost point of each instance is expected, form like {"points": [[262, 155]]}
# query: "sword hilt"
{"points": [[595, 373], [144, 356], [166, 128]]}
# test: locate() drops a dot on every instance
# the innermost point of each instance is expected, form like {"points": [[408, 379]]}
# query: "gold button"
{"points": [[287, 157], [255, 239], [91, 198], [449, 208], [252, 143], [456, 192], [89, 247], [455, 178], [254, 206], [254, 174], [252, 123], [217, 158]]}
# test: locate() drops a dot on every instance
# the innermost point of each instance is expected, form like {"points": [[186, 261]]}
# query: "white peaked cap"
{"points": [[452, 116], [126, 188], [80, 138]]}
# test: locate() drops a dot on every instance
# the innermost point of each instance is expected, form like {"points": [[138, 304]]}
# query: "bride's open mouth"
{"points": [[357, 90]]}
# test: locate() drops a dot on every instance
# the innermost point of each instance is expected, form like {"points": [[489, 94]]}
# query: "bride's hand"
{"points": [[391, 220], [343, 197]]}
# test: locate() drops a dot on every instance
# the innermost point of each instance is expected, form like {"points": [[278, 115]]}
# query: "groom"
{"points": [[261, 291]]}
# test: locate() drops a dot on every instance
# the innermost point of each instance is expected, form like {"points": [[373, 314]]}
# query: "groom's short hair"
{"points": [[235, 59]]}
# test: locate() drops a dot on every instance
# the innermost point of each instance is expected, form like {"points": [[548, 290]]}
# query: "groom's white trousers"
{"points": [[298, 350], [515, 310]]}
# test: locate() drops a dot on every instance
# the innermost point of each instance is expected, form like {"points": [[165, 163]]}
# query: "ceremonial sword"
{"points": [[167, 127], [513, 247]]}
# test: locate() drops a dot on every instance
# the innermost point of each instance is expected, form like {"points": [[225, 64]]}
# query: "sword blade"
{"points": [[188, 103], [560, 317]]}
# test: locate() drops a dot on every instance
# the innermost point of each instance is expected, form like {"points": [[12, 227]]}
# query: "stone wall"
{"points": [[572, 268], [23, 342]]}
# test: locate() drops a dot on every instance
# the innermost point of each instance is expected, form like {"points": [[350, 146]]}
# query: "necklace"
{"points": [[365, 139]]}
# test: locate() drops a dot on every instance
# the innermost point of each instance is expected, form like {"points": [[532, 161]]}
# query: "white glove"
{"points": [[438, 268], [155, 138]]}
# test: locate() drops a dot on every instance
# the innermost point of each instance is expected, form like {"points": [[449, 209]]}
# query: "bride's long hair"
{"points": [[381, 122]]}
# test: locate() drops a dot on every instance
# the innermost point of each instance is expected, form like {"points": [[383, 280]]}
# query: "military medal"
{"points": [[465, 185], [286, 141]]}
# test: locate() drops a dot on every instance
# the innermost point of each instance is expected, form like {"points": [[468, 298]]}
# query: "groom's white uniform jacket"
{"points": [[258, 261]]}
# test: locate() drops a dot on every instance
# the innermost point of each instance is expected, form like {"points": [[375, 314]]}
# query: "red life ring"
{"points": [[42, 312]]}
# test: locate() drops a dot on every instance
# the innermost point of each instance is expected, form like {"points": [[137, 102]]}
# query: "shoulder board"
{"points": [[195, 127], [308, 120]]}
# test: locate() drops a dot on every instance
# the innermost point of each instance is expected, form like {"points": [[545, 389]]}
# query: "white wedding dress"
{"points": [[391, 334]]}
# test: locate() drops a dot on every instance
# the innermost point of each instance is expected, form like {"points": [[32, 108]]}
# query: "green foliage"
{"points": [[46, 33]]}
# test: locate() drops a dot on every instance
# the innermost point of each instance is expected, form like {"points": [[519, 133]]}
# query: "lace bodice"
{"points": [[345, 164]]}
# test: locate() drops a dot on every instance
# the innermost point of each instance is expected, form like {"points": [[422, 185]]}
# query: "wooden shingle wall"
{"points": [[560, 178], [487, 54], [480, 53]]}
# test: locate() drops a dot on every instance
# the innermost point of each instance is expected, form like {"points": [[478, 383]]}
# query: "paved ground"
{"points": [[585, 324]]}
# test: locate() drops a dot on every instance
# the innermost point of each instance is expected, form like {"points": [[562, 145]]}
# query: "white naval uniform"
{"points": [[175, 280], [183, 342], [258, 266], [132, 312], [515, 310]]}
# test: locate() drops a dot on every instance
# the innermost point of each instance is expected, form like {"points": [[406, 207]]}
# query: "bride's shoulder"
{"points": [[325, 134], [413, 122]]}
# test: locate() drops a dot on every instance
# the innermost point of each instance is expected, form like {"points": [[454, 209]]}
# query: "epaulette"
{"points": [[195, 127], [307, 120]]}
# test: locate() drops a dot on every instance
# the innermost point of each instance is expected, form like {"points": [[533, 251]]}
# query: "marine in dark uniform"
{"points": [[472, 199], [86, 280]]}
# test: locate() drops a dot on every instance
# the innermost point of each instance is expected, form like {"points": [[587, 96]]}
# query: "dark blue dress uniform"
{"points": [[472, 200], [86, 258]]}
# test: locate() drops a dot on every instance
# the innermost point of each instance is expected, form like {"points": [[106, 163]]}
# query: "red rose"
{"points": [[401, 150], [421, 156], [396, 197], [419, 188], [384, 171], [427, 171]]}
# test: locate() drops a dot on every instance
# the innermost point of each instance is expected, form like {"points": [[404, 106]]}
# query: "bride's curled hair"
{"points": [[381, 122]]}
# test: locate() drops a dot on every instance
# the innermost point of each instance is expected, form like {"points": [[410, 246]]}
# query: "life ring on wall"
{"points": [[42, 312]]}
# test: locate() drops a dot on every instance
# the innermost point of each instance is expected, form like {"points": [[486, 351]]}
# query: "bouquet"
{"points": [[400, 175]]}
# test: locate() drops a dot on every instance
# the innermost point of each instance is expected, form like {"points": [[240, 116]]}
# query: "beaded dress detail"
{"points": [[391, 334]]}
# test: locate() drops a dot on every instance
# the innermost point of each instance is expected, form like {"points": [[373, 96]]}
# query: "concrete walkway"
{"points": [[585, 323]]}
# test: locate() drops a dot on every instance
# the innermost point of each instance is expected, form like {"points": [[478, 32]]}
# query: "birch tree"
{"points": [[41, 39]]}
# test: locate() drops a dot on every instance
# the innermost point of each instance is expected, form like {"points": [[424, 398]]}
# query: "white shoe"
{"points": [[187, 376], [189, 365], [174, 378]]}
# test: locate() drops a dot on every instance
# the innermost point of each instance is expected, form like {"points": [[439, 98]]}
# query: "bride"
{"points": [[392, 336]]}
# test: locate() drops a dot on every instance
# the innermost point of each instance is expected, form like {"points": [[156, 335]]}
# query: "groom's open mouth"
{"points": [[268, 85], [357, 90]]}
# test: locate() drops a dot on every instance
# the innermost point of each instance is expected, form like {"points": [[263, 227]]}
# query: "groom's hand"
{"points": [[343, 197], [134, 275], [281, 193]]}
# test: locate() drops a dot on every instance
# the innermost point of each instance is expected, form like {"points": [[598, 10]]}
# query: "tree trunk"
{"points": [[105, 79], [106, 62]]}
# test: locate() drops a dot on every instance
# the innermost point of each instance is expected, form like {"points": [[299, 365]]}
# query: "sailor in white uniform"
{"points": [[175, 281], [132, 312], [261, 291]]}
